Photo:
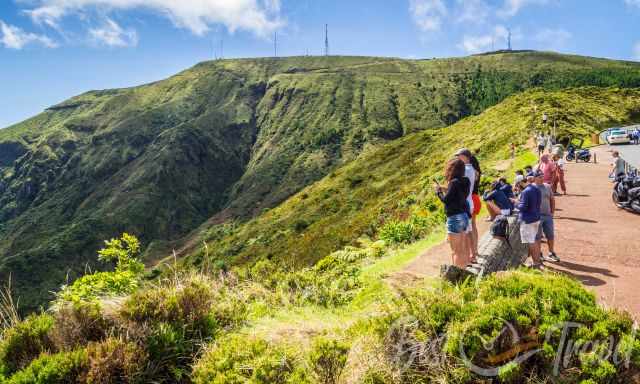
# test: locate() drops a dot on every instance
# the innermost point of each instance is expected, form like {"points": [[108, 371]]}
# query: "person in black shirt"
{"points": [[454, 197]]}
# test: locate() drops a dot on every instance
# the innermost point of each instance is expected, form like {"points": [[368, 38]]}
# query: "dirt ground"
{"points": [[598, 243]]}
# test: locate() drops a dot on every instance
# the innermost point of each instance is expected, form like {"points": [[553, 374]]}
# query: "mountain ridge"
{"points": [[231, 136]]}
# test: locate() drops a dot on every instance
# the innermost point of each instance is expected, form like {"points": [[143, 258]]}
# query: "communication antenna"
{"points": [[221, 49], [275, 44], [509, 40], [326, 39]]}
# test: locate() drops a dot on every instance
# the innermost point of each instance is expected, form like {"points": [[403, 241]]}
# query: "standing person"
{"points": [[456, 209], [470, 173], [617, 169], [547, 209], [529, 215], [560, 164], [541, 144], [477, 206], [519, 182], [513, 150], [637, 135], [548, 168]]}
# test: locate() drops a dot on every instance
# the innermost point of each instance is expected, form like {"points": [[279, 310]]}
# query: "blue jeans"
{"points": [[546, 227], [457, 223]]}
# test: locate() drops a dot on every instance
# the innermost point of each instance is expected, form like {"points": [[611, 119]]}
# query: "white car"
{"points": [[618, 136]]}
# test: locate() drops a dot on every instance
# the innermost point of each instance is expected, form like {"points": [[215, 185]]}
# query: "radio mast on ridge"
{"points": [[326, 39]]}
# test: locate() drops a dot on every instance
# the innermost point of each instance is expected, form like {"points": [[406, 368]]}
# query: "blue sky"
{"points": [[51, 50]]}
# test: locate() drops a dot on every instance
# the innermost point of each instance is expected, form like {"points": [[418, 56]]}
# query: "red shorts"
{"points": [[476, 204]]}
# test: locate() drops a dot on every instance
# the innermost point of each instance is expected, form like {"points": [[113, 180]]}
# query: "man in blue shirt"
{"points": [[529, 207]]}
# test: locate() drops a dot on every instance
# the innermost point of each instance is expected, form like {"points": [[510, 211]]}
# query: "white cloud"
{"points": [[111, 34], [258, 16], [552, 39], [427, 14], [472, 11], [636, 51], [16, 38], [511, 7], [497, 39], [633, 3]]}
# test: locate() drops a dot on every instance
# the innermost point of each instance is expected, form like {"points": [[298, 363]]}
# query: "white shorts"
{"points": [[528, 232]]}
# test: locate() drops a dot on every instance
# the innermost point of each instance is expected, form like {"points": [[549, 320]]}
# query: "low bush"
{"points": [[328, 359], [240, 359], [115, 361], [77, 324], [60, 368], [24, 342], [452, 332], [173, 320]]}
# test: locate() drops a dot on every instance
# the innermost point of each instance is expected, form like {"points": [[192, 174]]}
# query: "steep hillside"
{"points": [[392, 184], [228, 139], [348, 317]]}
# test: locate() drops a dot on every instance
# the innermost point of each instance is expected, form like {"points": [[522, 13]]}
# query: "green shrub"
{"points": [[115, 361], [60, 368], [397, 232], [125, 279], [25, 342], [175, 318], [530, 303], [328, 359], [240, 359]]}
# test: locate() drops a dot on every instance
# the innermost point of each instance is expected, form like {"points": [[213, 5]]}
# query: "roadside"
{"points": [[598, 243]]}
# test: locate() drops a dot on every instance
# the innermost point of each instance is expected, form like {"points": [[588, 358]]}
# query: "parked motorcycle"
{"points": [[626, 193], [581, 154]]}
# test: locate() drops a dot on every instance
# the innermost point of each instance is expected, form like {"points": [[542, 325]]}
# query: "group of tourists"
{"points": [[532, 196], [544, 141]]}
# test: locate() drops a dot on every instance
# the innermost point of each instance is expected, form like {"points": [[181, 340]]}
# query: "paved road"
{"points": [[629, 152], [598, 243]]}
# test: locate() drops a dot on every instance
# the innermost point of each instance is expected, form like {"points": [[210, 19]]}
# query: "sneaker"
{"points": [[552, 257]]}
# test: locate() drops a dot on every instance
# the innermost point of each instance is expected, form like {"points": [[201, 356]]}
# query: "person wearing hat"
{"points": [[470, 173], [529, 215]]}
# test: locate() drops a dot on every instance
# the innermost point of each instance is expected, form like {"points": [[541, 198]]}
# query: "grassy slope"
{"points": [[524, 298], [394, 181], [229, 138]]}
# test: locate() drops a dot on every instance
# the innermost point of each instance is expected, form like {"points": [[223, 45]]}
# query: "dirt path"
{"points": [[598, 243]]}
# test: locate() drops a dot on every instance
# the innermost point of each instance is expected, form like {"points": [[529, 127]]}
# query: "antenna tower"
{"points": [[275, 44], [326, 39], [509, 40]]}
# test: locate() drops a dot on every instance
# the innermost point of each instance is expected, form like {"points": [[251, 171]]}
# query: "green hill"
{"points": [[390, 185], [348, 317], [224, 141]]}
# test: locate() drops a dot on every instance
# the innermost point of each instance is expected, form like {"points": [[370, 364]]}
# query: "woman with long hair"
{"points": [[454, 196], [477, 205]]}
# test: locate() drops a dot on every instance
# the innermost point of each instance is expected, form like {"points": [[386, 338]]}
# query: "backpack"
{"points": [[500, 229]]}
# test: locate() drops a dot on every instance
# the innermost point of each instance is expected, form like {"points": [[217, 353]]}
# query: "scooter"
{"points": [[582, 154], [626, 193]]}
